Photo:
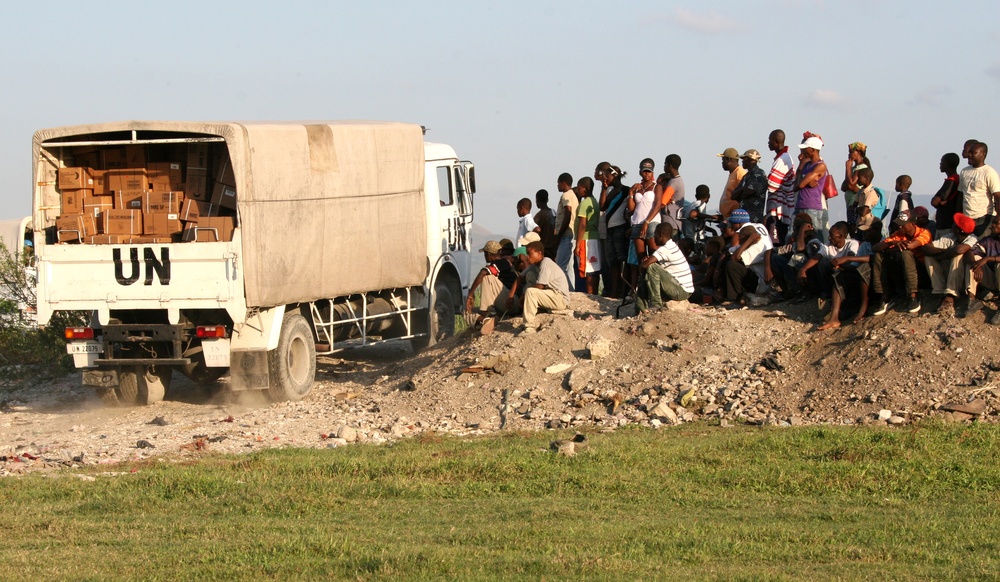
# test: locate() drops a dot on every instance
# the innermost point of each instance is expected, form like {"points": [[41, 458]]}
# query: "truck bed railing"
{"points": [[358, 321]]}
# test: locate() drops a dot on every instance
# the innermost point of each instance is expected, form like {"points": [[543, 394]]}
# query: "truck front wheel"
{"points": [[440, 319], [292, 364]]}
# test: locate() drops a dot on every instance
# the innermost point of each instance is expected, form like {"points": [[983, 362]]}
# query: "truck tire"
{"points": [[139, 385], [109, 396], [128, 386], [441, 319], [292, 365], [197, 371]]}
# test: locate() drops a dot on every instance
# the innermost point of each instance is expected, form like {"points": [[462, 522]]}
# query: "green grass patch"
{"points": [[694, 502]]}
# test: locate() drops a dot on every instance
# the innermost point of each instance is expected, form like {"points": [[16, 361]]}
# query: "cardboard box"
{"points": [[129, 199], [100, 183], [89, 158], [162, 202], [75, 227], [224, 195], [164, 176], [120, 179], [147, 240], [121, 222], [95, 205], [226, 175], [114, 158], [76, 178], [197, 185], [193, 210], [210, 229], [160, 224], [197, 157], [135, 156], [105, 239], [72, 201]]}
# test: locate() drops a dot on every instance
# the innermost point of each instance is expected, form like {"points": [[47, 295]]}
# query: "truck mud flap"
{"points": [[248, 370], [101, 378]]}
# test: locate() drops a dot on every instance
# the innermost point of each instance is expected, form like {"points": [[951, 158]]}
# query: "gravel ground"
{"points": [[765, 366]]}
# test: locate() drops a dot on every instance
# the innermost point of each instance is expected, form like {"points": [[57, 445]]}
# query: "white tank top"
{"points": [[643, 204]]}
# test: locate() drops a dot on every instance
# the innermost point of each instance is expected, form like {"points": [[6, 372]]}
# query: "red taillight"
{"points": [[84, 333], [210, 331]]}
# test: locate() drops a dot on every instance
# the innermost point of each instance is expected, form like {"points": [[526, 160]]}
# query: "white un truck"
{"points": [[248, 247]]}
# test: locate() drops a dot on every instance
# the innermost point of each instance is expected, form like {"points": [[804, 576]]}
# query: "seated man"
{"points": [[494, 282], [746, 265], [948, 272], [851, 277], [983, 260], [815, 274], [784, 261], [550, 290], [668, 274], [898, 252]]}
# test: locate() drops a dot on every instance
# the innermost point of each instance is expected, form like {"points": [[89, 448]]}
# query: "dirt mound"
{"points": [[763, 366]]}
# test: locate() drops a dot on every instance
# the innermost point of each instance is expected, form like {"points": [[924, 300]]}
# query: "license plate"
{"points": [[216, 352], [84, 348]]}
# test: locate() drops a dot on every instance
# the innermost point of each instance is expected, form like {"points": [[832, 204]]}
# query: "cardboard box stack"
{"points": [[129, 201]]}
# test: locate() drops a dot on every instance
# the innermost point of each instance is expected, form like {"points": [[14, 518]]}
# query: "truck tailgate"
{"points": [[174, 276]]}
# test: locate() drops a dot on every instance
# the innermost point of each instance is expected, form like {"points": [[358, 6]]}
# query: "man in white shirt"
{"points": [[979, 185], [668, 274]]}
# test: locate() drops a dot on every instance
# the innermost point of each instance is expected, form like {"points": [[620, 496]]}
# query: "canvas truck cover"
{"points": [[326, 209]]}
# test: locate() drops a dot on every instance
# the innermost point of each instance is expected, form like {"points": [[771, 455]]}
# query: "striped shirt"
{"points": [[670, 257], [781, 187]]}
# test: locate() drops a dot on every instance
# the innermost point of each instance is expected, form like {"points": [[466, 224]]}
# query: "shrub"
{"points": [[28, 353]]}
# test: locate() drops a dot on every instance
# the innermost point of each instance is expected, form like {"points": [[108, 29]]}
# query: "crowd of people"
{"points": [[646, 241]]}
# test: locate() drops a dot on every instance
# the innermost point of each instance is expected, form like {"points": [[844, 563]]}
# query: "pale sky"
{"points": [[526, 90]]}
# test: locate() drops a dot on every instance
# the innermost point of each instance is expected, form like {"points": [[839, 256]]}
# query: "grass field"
{"points": [[696, 502]]}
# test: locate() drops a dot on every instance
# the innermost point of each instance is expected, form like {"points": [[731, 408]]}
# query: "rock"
{"points": [[335, 442], [159, 421], [896, 419], [474, 423], [566, 418], [347, 433], [795, 421], [524, 408], [144, 444], [976, 407], [663, 410], [558, 368], [677, 305], [554, 424], [579, 378], [599, 348], [724, 423], [884, 414], [957, 416]]}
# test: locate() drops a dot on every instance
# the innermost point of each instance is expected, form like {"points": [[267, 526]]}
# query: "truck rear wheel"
{"points": [[292, 364], [441, 319], [197, 371], [138, 385]]}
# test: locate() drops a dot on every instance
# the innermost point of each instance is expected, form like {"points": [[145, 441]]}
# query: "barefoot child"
{"points": [[853, 272]]}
